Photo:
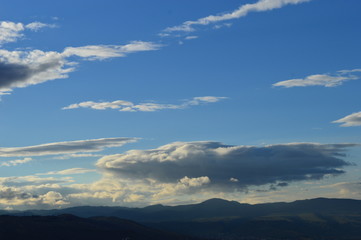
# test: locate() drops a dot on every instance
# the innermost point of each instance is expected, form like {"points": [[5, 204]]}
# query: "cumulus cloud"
{"points": [[15, 162], [16, 197], [242, 11], [326, 80], [235, 167], [92, 145], [12, 194], [351, 120], [126, 106]]}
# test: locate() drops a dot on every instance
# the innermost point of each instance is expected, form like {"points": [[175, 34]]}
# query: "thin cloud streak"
{"points": [[242, 11], [57, 148], [70, 171], [126, 106], [325, 80]]}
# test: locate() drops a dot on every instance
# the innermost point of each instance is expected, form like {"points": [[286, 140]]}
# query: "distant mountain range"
{"points": [[319, 219]]}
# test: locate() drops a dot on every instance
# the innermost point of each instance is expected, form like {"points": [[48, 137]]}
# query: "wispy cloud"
{"points": [[191, 37], [78, 155], [126, 106], [15, 162], [11, 31], [242, 11], [57, 148], [36, 26], [351, 120], [326, 80]]}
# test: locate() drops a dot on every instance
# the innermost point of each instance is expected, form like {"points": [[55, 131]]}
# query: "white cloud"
{"points": [[15, 162], [36, 26], [351, 120], [92, 145], [126, 106], [326, 80], [11, 31], [242, 11]]}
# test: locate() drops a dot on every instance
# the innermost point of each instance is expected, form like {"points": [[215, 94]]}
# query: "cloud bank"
{"points": [[228, 166], [126, 106], [326, 80], [181, 172], [242, 11], [92, 145]]}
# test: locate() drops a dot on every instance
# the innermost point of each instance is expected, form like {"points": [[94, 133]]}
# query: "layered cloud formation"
{"points": [[57, 148], [178, 171]]}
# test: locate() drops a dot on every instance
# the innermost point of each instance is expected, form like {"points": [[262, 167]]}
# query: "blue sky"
{"points": [[139, 102]]}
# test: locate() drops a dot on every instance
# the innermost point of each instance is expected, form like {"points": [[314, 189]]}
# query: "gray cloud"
{"points": [[246, 165], [14, 75], [92, 145]]}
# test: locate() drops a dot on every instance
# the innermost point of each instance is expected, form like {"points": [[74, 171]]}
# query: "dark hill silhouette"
{"points": [[72, 227], [213, 208]]}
